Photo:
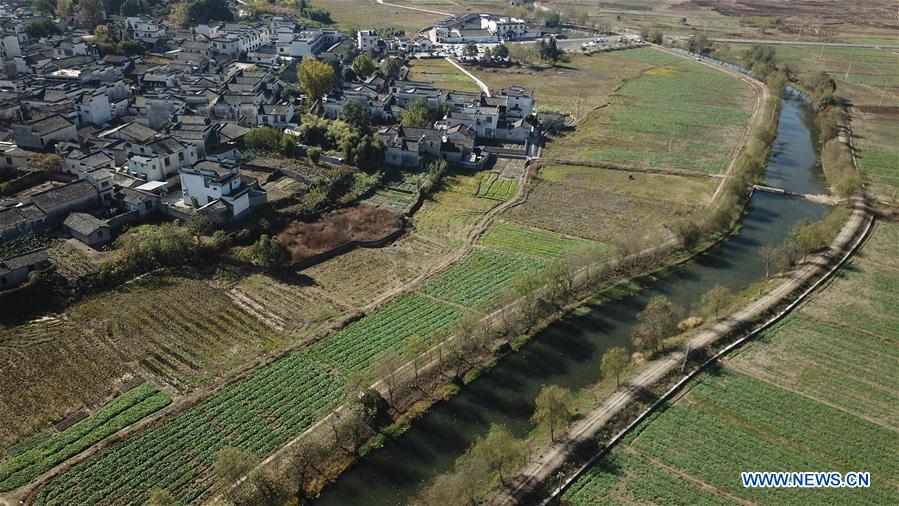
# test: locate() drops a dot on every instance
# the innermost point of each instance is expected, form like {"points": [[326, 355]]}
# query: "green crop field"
{"points": [[51, 450], [477, 280], [353, 15], [442, 73], [258, 414], [664, 118], [820, 391], [354, 348], [448, 216], [841, 347], [513, 238], [581, 84], [626, 478], [492, 186]]}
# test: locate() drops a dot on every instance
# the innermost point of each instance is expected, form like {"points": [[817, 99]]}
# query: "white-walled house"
{"points": [[160, 159], [218, 187], [367, 39], [94, 107]]}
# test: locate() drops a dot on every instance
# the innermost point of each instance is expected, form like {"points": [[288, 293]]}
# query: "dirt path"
{"points": [[542, 466], [477, 81]]}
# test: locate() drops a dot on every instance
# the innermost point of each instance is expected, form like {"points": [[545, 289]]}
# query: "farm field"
{"points": [[353, 15], [443, 74], [283, 306], [258, 413], [132, 406], [817, 392], [448, 216], [533, 242], [841, 347], [574, 87], [478, 279], [179, 331], [664, 118], [354, 348], [871, 85], [609, 213], [730, 422]]}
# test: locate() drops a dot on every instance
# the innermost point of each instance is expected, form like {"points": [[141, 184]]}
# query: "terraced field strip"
{"points": [[354, 348], [477, 281], [492, 186], [533, 242], [284, 306], [50, 450]]}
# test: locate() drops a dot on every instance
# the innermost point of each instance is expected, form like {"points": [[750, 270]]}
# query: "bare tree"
{"points": [[614, 362], [303, 459], [716, 299], [657, 321], [386, 368], [771, 256]]}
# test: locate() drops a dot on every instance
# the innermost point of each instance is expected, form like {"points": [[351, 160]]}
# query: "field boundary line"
{"points": [[477, 81]]}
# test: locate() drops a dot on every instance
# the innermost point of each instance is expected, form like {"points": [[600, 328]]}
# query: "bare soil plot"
{"points": [[361, 223], [284, 306]]}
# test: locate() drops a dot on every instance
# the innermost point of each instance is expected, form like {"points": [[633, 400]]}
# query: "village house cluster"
{"points": [[158, 135]]}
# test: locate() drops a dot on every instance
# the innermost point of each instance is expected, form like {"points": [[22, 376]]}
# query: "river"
{"points": [[568, 352]]}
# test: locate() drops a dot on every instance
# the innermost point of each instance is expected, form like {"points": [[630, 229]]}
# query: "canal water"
{"points": [[568, 352]]}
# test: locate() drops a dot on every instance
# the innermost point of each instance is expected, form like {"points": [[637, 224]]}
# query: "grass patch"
{"points": [[442, 73]]}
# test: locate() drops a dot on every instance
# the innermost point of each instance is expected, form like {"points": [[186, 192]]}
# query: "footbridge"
{"points": [[819, 198]]}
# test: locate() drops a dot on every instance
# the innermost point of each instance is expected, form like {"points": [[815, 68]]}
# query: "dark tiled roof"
{"points": [[84, 223], [23, 260], [10, 216], [62, 194]]}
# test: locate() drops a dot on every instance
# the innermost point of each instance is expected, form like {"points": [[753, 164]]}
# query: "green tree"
{"points": [[178, 14], [44, 7], [688, 233], [390, 68], [200, 225], [499, 452], [355, 113], [40, 28], [160, 497], [91, 13], [202, 11], [470, 50], [315, 78], [65, 9], [420, 113], [363, 66], [231, 465], [656, 37], [614, 362], [501, 51], [267, 139], [551, 409], [656, 322], [131, 8], [271, 253]]}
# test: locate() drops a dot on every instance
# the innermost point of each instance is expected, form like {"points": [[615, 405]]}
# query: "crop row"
{"points": [[635, 481], [733, 423], [355, 347], [134, 405], [477, 280], [513, 238], [256, 414]]}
